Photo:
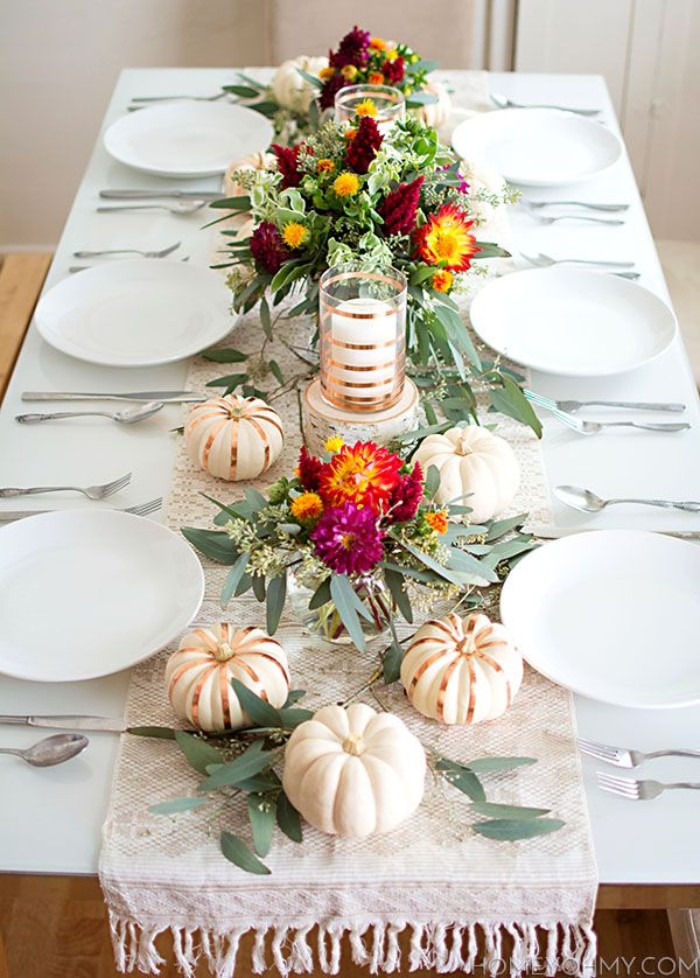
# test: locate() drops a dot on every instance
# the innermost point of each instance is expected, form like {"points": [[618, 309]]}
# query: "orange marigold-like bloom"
{"points": [[442, 280], [445, 238], [349, 72], [325, 166], [364, 475], [375, 78], [367, 106], [326, 73], [378, 43], [437, 521], [308, 506], [346, 185], [349, 134], [295, 234]]}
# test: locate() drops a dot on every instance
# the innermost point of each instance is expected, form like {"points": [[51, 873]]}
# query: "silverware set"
{"points": [[142, 509], [563, 411], [631, 788]]}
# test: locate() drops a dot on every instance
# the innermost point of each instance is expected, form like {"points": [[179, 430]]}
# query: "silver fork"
{"points": [[625, 756], [92, 492], [544, 261], [593, 427], [178, 207], [142, 509], [128, 251], [639, 790], [538, 204], [541, 219], [179, 98], [573, 406]]}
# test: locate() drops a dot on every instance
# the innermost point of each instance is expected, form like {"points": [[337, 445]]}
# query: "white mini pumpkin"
{"points": [[461, 670], [472, 460], [198, 676], [354, 772], [290, 88], [437, 113], [234, 437]]}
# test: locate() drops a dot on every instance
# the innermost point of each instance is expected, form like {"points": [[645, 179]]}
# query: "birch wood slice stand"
{"points": [[322, 420]]}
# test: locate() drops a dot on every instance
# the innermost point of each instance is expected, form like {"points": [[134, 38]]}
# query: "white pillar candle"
{"points": [[363, 367]]}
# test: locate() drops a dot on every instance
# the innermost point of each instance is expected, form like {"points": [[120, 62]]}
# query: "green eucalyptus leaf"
{"points": [[252, 761], [229, 382], [293, 696], [158, 733], [225, 356], [243, 91], [212, 543], [261, 813], [501, 527], [321, 596], [276, 597], [508, 811], [259, 587], [261, 713], [237, 852], [293, 716], [432, 482], [512, 829], [177, 805], [276, 371], [197, 751], [311, 79], [461, 778], [265, 319], [391, 663], [511, 401], [346, 601], [395, 581], [288, 818], [487, 765], [264, 782], [233, 579]]}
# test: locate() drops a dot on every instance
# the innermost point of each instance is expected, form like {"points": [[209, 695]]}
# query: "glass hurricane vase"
{"points": [[325, 621]]}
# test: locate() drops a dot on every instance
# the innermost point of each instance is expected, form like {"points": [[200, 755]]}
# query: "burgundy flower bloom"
{"points": [[352, 50], [406, 496], [268, 248], [400, 207], [309, 470], [394, 71], [287, 164], [330, 89], [363, 147], [348, 540]]}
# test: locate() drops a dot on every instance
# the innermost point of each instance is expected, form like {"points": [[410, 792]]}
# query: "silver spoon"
{"points": [[130, 416], [50, 750], [506, 103], [177, 207], [589, 502]]}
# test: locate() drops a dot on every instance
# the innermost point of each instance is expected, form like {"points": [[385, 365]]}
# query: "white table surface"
{"points": [[50, 820]]}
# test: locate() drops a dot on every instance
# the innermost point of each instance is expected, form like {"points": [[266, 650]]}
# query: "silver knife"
{"points": [[157, 194], [549, 532], [68, 722], [171, 397]]}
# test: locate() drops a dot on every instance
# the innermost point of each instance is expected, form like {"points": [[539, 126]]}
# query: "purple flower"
{"points": [[463, 186], [348, 540], [352, 50], [268, 248], [406, 496]]}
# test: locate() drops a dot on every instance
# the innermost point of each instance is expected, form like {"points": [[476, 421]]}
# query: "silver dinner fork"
{"points": [[639, 790], [593, 427], [179, 98], [92, 492], [142, 509], [625, 756], [163, 253], [572, 406], [544, 261], [539, 204], [542, 219], [180, 207]]}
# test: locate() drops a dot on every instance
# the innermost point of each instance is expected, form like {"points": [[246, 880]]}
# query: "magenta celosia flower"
{"points": [[352, 50], [268, 248], [287, 164], [309, 469], [400, 207], [348, 540], [364, 145], [406, 496]]}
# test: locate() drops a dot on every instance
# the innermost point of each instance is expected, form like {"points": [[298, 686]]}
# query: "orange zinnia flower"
{"points": [[437, 521], [364, 475], [325, 166], [442, 280], [445, 239], [376, 78], [308, 506]]}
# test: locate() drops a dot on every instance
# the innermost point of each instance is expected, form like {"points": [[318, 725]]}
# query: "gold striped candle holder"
{"points": [[387, 104], [362, 335]]}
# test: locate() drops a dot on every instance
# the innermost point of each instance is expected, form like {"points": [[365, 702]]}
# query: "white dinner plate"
{"points": [[611, 614], [136, 313], [87, 593], [538, 147], [572, 322], [187, 139]]}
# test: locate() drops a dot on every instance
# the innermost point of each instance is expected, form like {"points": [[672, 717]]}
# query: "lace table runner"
{"points": [[455, 894]]}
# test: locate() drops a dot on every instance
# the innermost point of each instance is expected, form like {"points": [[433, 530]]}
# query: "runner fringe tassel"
{"points": [[446, 947]]}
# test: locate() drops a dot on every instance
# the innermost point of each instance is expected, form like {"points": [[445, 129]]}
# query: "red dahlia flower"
{"points": [[352, 50], [364, 475], [287, 164], [268, 248], [348, 540], [445, 237], [363, 147], [400, 207]]}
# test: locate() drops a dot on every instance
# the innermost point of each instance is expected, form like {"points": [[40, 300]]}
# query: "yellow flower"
{"points": [[346, 185], [392, 54], [308, 506], [445, 239], [325, 166], [437, 521], [326, 73], [349, 72], [378, 43], [442, 280], [367, 107], [295, 234], [334, 444]]}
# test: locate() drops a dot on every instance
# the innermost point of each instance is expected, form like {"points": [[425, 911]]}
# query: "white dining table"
{"points": [[50, 820]]}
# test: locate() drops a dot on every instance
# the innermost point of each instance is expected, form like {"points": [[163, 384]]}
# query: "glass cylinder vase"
{"points": [[326, 623], [362, 332], [386, 105]]}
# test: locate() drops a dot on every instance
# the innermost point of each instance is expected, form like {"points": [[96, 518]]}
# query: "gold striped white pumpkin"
{"points": [[354, 772], [461, 670], [234, 437], [198, 676]]}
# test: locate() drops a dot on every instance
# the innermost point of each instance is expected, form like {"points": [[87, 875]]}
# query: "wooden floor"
{"points": [[60, 931]]}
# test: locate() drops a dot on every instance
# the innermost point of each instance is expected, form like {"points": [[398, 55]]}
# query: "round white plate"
{"points": [[87, 593], [538, 147], [136, 313], [187, 139], [572, 322], [611, 614]]}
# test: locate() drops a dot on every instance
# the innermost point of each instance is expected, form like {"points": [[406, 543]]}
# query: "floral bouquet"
{"points": [[303, 87], [352, 197], [354, 538]]}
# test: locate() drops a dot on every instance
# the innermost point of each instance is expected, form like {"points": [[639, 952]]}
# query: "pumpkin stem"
{"points": [[461, 448], [223, 652], [353, 744]]}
